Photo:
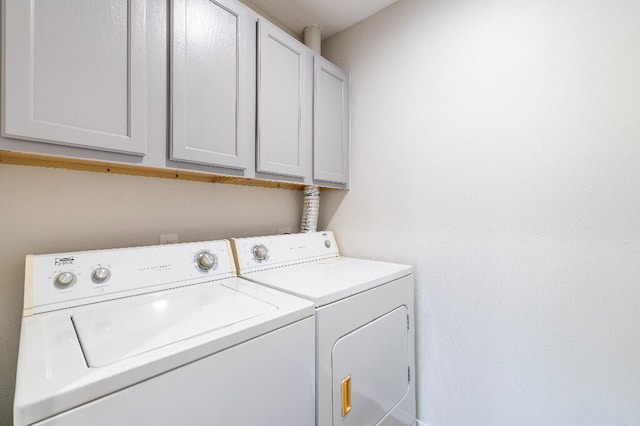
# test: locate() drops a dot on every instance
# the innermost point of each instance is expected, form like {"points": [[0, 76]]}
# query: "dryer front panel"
{"points": [[371, 370]]}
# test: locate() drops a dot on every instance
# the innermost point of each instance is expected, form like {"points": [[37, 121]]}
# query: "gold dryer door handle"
{"points": [[346, 395]]}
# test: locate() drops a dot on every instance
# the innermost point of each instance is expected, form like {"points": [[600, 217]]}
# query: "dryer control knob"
{"points": [[260, 252], [65, 279], [100, 275], [207, 260]]}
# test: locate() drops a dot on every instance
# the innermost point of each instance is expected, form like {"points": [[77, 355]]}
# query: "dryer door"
{"points": [[370, 370]]}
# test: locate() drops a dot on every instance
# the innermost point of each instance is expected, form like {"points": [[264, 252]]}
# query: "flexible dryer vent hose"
{"points": [[310, 209]]}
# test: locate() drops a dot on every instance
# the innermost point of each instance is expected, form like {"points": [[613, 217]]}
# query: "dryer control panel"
{"points": [[58, 281], [272, 251]]}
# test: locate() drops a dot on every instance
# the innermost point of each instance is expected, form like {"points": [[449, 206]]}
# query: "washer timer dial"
{"points": [[64, 279], [100, 275]]}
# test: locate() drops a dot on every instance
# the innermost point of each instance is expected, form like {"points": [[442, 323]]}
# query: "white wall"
{"points": [[496, 146], [49, 211]]}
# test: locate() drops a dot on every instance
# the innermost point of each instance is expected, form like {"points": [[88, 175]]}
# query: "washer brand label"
{"points": [[59, 261], [155, 268]]}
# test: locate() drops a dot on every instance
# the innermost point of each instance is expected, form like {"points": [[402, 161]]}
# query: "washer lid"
{"points": [[325, 281], [111, 334]]}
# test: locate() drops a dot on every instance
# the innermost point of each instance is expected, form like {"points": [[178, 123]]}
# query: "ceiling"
{"points": [[331, 16]]}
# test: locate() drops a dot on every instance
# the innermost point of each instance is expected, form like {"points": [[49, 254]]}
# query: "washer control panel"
{"points": [[259, 253], [57, 281]]}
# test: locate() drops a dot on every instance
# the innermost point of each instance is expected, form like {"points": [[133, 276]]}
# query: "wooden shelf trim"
{"points": [[39, 160]]}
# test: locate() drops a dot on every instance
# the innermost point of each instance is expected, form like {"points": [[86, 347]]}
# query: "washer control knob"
{"points": [[260, 252], [327, 243], [65, 279], [206, 260], [100, 275]]}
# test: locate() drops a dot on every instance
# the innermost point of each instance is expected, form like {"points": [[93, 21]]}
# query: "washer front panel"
{"points": [[240, 386]]}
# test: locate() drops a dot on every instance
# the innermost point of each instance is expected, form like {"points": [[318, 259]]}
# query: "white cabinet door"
{"points": [[75, 73], [212, 83], [330, 123], [284, 104]]}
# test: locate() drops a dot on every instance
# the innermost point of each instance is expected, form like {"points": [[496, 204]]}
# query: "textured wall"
{"points": [[495, 145]]}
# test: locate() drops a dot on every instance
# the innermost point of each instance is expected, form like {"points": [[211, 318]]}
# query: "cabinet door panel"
{"points": [[212, 117], [331, 123], [75, 73], [284, 113]]}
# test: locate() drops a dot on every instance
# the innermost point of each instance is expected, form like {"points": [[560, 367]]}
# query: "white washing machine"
{"points": [[365, 364], [162, 335]]}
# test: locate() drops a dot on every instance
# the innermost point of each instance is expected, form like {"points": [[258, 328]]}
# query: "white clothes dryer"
{"points": [[365, 365], [162, 335]]}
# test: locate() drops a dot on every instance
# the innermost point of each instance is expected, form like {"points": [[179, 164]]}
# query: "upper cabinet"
{"points": [[75, 73], [284, 104], [330, 123], [170, 88], [212, 83]]}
